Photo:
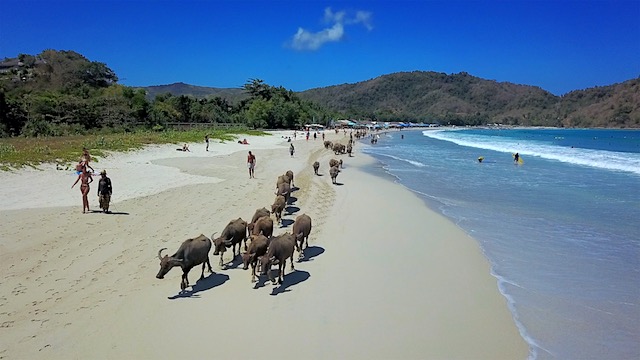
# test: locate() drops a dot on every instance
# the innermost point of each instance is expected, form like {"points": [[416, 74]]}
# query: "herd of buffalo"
{"points": [[264, 250]]}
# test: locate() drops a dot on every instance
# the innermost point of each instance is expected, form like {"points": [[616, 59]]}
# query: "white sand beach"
{"points": [[384, 277]]}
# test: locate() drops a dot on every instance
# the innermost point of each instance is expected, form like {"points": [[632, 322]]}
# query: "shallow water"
{"points": [[561, 230]]}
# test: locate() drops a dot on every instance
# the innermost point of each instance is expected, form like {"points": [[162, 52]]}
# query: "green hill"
{"points": [[465, 99], [232, 95]]}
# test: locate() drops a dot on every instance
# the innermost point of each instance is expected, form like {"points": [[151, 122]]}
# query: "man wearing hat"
{"points": [[104, 191]]}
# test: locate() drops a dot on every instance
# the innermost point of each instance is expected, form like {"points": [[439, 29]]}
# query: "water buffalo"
{"points": [[289, 174], [278, 205], [328, 144], [233, 234], [338, 148], [257, 248], [281, 180], [280, 248], [316, 166], [301, 231], [334, 162], [334, 174], [285, 190], [263, 225], [192, 252], [257, 215], [349, 149]]}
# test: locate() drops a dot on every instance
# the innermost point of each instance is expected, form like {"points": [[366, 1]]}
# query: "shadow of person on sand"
{"points": [[109, 213], [311, 252], [286, 222], [290, 279], [211, 281]]}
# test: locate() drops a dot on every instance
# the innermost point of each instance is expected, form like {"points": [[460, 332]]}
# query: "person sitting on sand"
{"points": [[85, 179], [185, 147]]}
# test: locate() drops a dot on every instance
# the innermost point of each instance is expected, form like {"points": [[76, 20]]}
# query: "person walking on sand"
{"points": [[206, 139], [85, 179], [104, 191], [291, 149], [251, 164]]}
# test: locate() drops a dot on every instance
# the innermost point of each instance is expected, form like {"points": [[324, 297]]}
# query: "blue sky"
{"points": [[558, 45]]}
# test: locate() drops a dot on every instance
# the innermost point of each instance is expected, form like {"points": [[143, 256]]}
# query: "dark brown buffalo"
{"points": [[192, 252], [233, 234], [278, 206], [328, 144], [301, 231], [263, 226], [333, 162], [280, 248], [334, 174], [316, 166], [257, 248], [257, 215], [349, 149]]}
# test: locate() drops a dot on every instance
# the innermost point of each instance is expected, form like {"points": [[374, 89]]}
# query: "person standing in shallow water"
{"points": [[85, 179], [291, 149], [251, 164]]}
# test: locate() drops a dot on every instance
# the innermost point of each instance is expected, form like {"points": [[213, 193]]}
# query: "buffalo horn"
{"points": [[160, 253]]}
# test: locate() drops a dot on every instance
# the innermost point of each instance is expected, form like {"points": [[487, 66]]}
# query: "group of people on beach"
{"points": [[85, 177]]}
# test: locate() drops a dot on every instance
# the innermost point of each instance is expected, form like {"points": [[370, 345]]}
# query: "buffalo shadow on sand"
{"points": [[291, 209], [290, 279], [209, 282], [311, 252], [286, 222], [235, 262]]}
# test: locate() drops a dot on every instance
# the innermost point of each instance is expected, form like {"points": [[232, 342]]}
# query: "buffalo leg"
{"points": [[281, 267], [209, 265], [185, 281], [253, 272]]}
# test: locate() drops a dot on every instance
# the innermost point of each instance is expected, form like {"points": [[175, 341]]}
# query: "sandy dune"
{"points": [[384, 276]]}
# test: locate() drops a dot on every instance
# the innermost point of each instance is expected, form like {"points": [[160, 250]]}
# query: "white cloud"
{"points": [[307, 40]]}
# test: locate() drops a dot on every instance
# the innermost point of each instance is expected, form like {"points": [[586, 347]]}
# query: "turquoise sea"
{"points": [[561, 230]]}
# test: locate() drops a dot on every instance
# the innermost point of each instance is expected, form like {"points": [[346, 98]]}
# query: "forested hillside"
{"points": [[62, 92], [233, 95], [465, 99]]}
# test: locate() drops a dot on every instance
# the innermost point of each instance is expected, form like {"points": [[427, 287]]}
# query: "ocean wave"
{"points": [[603, 159], [412, 162]]}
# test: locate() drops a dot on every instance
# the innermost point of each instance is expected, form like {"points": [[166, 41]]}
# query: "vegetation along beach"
{"points": [[301, 180]]}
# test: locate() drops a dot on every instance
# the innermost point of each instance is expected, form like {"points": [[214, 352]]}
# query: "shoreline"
{"points": [[366, 289]]}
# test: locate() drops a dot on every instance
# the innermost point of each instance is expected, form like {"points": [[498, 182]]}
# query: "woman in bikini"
{"points": [[85, 179]]}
